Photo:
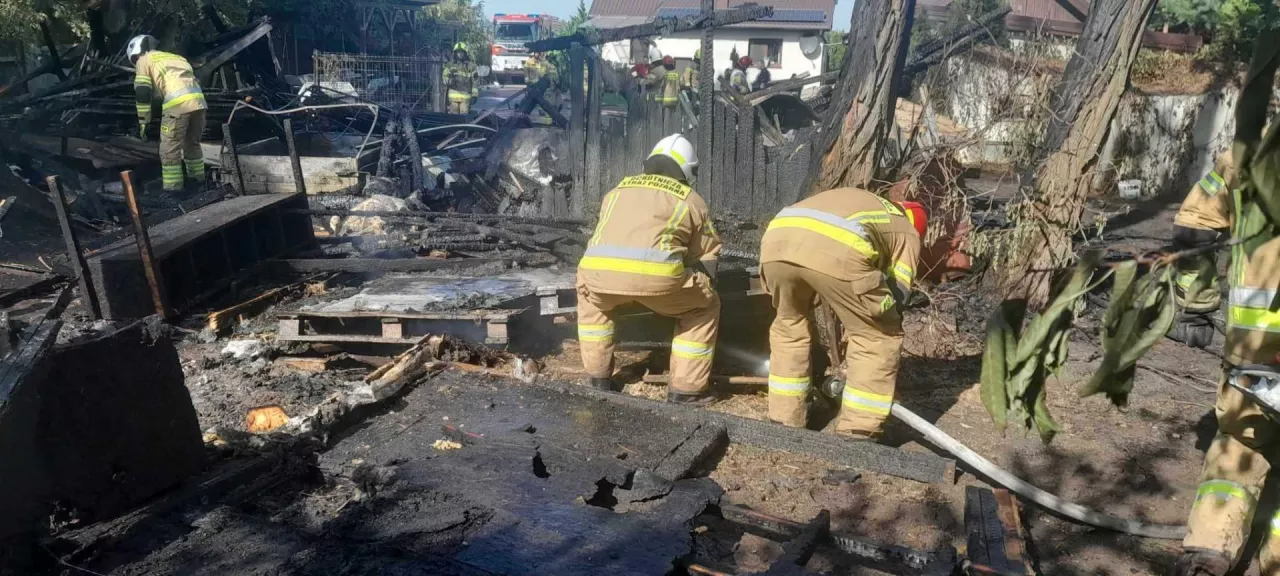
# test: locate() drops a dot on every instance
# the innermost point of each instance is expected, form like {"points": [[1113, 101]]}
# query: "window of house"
{"points": [[764, 49]]}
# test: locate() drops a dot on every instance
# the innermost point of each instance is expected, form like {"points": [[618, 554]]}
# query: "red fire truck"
{"points": [[510, 33]]}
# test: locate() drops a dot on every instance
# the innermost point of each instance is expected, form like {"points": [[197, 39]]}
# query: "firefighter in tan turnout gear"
{"points": [[654, 245], [169, 78], [1236, 464], [857, 251]]}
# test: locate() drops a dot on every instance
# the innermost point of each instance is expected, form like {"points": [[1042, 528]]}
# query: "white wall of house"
{"points": [[682, 46]]}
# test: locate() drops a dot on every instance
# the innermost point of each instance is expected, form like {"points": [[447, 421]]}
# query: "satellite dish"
{"points": [[810, 46]]}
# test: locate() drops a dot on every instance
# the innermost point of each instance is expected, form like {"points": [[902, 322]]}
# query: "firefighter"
{"points": [[654, 245], [461, 76], [1236, 464], [689, 80], [169, 78], [666, 82], [532, 70], [738, 77], [857, 251]]}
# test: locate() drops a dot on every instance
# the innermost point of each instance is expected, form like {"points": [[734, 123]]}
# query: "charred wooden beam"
{"points": [[659, 27], [377, 265], [788, 85]]}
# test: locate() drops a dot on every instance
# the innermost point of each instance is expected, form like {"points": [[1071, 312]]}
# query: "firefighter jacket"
{"points": [[532, 71], [850, 234], [1253, 322], [689, 79], [738, 80], [460, 77], [652, 230], [170, 78], [667, 84]]}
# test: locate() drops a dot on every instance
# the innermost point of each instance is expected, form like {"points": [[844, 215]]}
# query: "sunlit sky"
{"points": [[565, 8]]}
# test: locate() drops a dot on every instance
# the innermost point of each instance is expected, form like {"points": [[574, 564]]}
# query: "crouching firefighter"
{"points": [[1236, 464], [655, 246], [170, 79], [856, 251]]}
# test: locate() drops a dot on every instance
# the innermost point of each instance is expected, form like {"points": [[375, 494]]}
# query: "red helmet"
{"points": [[918, 216], [668, 61], [744, 62]]}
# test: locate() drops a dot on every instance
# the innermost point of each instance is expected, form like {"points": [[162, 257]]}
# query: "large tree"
{"points": [[1058, 178], [848, 147]]}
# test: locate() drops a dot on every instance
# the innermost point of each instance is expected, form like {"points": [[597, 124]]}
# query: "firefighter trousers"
{"points": [[459, 102], [1235, 468], [696, 308], [180, 148], [873, 330]]}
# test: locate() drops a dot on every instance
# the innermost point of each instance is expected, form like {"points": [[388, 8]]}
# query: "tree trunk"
{"points": [[848, 146], [1083, 104]]}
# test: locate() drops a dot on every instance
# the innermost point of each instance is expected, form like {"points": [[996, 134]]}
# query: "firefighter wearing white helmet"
{"points": [[654, 245], [169, 79]]}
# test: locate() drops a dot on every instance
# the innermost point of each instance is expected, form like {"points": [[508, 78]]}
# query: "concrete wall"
{"points": [[792, 59], [1166, 141]]}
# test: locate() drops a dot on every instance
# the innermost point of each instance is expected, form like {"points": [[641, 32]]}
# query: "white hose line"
{"points": [[1021, 488]]}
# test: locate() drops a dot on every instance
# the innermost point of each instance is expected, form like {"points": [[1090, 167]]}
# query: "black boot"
{"points": [[703, 399], [1202, 563], [606, 384]]}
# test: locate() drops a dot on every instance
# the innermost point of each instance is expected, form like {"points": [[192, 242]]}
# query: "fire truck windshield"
{"points": [[516, 32]]}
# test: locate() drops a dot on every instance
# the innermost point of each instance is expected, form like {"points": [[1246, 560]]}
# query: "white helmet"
{"points": [[139, 45], [678, 148]]}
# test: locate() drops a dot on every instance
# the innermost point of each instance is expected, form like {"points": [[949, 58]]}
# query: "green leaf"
{"points": [[1045, 425], [1001, 344]]}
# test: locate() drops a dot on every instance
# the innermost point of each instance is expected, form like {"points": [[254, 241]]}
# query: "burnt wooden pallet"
{"points": [[488, 327]]}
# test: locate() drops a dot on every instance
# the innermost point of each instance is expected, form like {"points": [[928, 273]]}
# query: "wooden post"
{"points": [[593, 129], [745, 160], [706, 89], [577, 132], [231, 160], [74, 254], [154, 279], [299, 185]]}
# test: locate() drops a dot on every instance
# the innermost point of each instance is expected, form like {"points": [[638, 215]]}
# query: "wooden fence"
{"points": [[743, 176]]}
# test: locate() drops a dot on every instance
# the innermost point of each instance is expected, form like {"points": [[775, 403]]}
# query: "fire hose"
{"points": [[1016, 485]]}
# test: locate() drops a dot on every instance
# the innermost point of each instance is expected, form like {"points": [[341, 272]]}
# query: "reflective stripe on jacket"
{"points": [[670, 88], [651, 230], [172, 80], [1253, 313], [847, 233], [459, 77]]}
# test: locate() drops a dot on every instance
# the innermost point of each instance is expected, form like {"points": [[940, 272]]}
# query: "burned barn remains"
{"points": [[341, 355]]}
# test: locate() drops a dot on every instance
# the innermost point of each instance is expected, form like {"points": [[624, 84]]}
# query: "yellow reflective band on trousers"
{"points": [[1275, 524], [648, 262], [456, 96], [1250, 309], [595, 332], [849, 233], [171, 176], [692, 350], [789, 386], [195, 168], [1223, 490], [182, 96], [878, 404], [1213, 183]]}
